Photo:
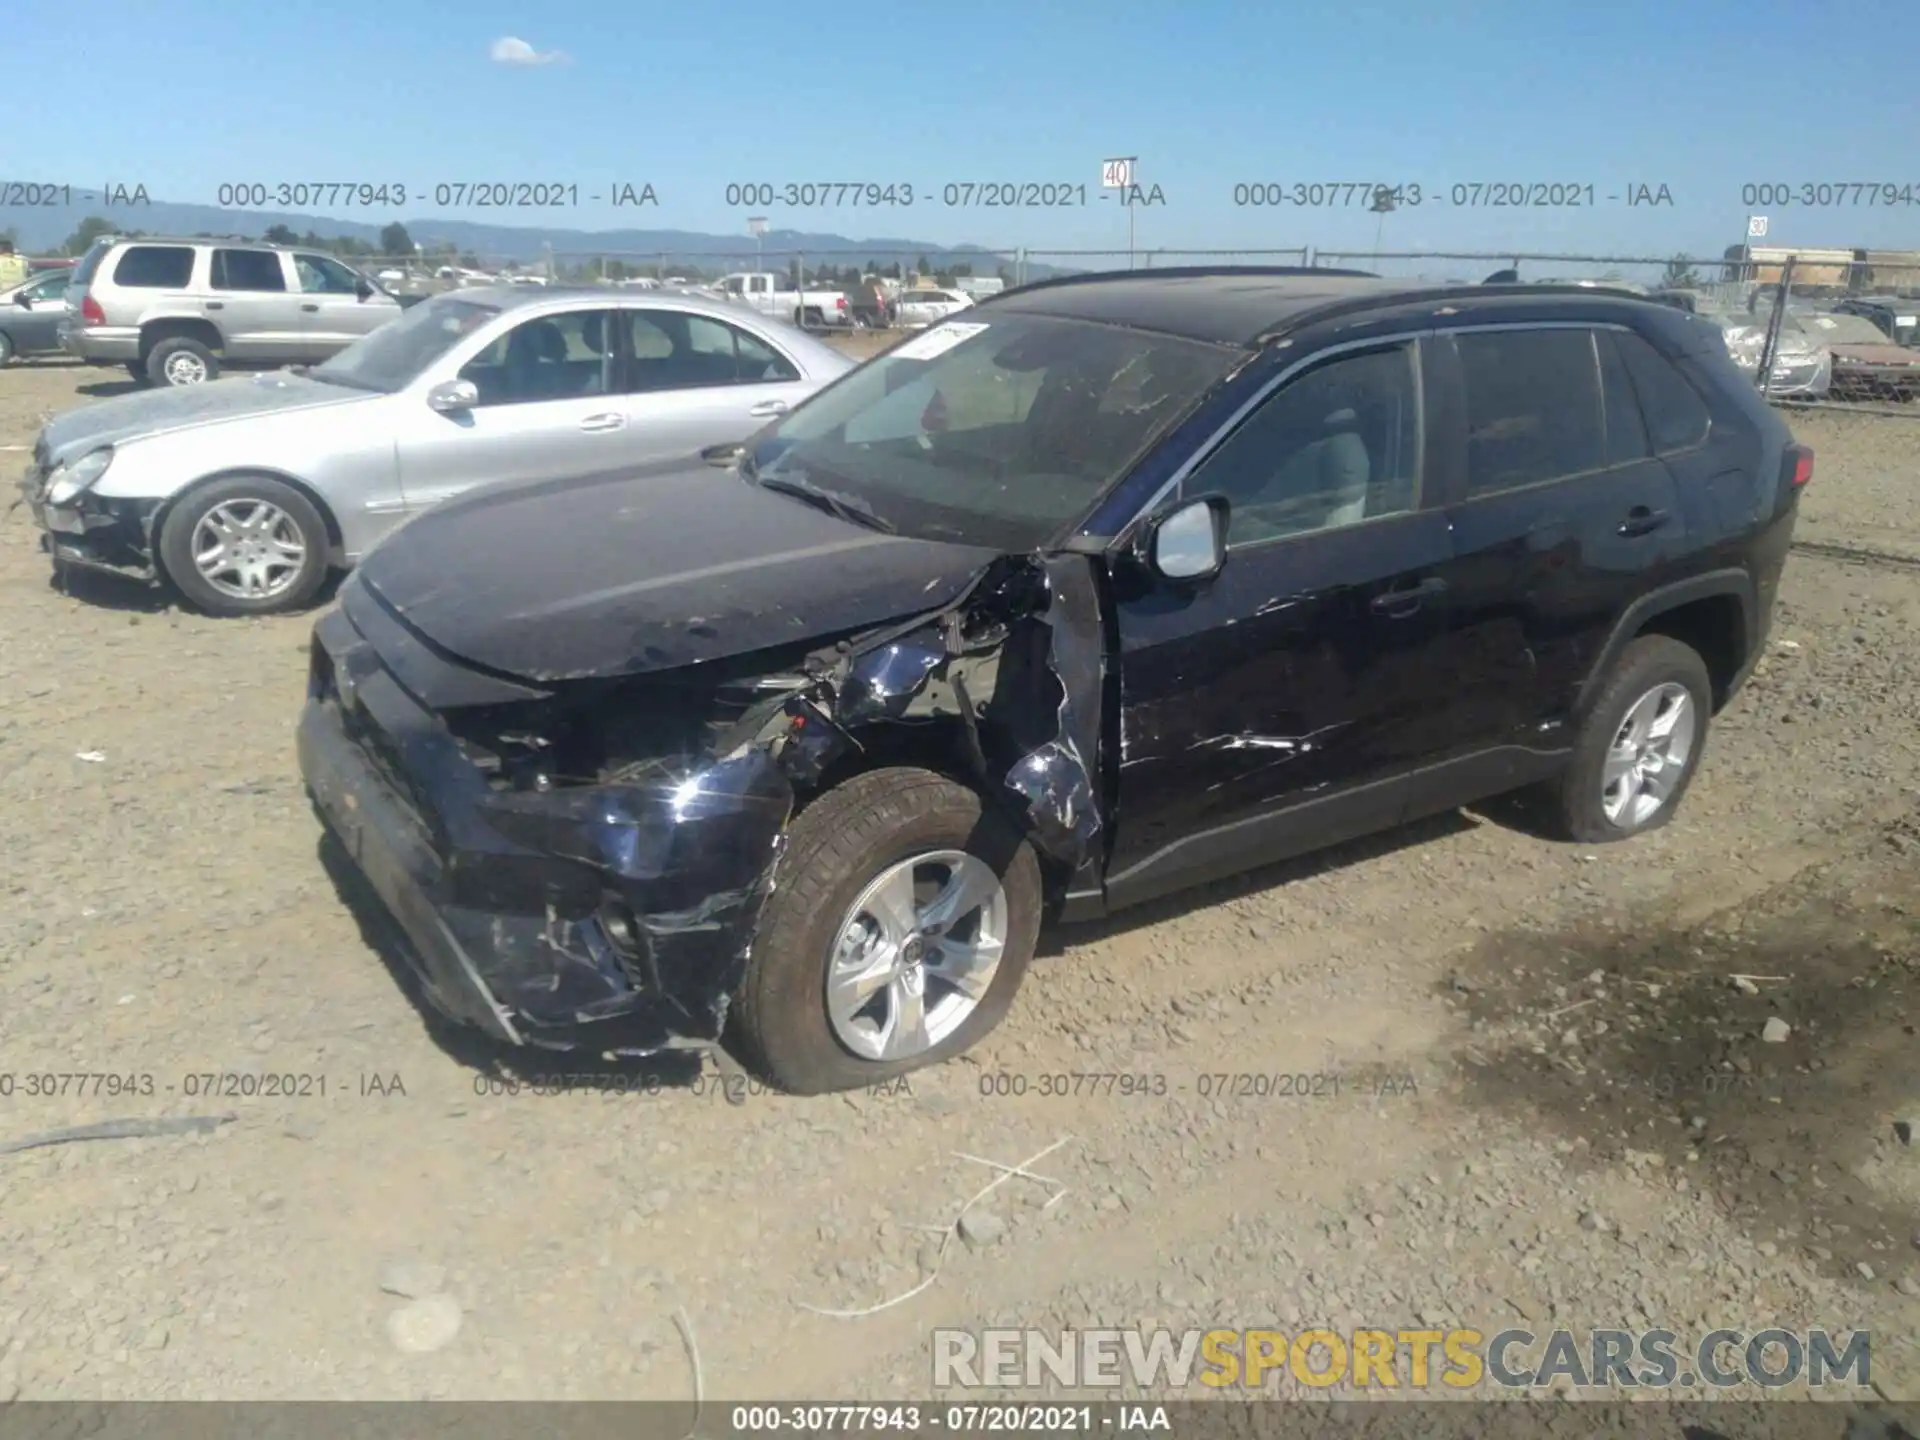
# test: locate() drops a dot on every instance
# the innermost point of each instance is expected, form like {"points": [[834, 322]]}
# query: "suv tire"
{"points": [[789, 1026], [181, 360], [264, 514], [6, 349], [1639, 747]]}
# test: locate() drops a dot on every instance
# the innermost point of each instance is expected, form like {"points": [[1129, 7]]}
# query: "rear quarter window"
{"points": [[154, 267], [1677, 417]]}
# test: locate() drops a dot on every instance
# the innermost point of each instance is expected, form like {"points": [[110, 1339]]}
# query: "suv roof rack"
{"points": [[1183, 272]]}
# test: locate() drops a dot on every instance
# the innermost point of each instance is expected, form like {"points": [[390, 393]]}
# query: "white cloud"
{"points": [[512, 50]]}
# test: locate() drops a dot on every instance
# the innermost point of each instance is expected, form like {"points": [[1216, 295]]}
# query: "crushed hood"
{"points": [[639, 570], [155, 412]]}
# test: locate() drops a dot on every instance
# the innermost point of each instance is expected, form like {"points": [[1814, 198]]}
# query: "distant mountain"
{"points": [[42, 228]]}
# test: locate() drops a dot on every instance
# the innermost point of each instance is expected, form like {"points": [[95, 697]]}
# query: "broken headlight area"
{"points": [[95, 533]]}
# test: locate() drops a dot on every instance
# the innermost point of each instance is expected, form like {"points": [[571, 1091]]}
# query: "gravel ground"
{"points": [[1556, 1103]]}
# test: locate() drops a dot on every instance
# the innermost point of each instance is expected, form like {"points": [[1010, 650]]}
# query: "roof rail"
{"points": [[1182, 272], [1428, 292]]}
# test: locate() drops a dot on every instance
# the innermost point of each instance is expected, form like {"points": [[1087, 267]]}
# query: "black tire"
{"points": [[138, 370], [6, 348], [173, 345], [176, 546], [780, 1026], [1573, 804]]}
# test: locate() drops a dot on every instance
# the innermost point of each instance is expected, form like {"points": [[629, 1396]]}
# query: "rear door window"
{"points": [[1533, 407], [258, 271], [154, 267]]}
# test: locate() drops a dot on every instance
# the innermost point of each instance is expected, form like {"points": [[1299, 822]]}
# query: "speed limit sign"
{"points": [[1116, 174]]}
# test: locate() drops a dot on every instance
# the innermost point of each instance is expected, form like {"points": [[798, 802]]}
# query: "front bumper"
{"points": [[605, 917], [107, 536]]}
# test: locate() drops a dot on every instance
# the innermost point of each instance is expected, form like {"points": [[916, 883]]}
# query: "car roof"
{"points": [[562, 297], [1246, 307]]}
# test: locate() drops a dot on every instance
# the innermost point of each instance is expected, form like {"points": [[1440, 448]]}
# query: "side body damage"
{"points": [[584, 865]]}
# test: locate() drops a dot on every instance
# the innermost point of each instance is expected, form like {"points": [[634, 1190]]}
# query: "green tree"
{"points": [[281, 235], [394, 240], [85, 233], [1680, 274]]}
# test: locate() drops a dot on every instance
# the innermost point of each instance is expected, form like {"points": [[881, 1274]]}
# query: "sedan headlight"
{"points": [[71, 480]]}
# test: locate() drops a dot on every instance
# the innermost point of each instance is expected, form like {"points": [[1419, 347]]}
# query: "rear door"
{"points": [[693, 382], [332, 313], [1562, 516], [252, 303], [547, 409], [1280, 708]]}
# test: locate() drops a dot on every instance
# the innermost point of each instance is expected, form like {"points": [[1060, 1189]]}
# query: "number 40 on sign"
{"points": [[1116, 174]]}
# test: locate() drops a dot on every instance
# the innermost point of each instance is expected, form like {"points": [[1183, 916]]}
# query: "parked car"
{"points": [[1111, 585], [927, 307], [771, 295], [243, 494], [1867, 365], [175, 312], [1896, 318], [31, 314], [1802, 368]]}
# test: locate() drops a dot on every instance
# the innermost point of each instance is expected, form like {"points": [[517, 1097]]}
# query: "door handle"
{"points": [[769, 407], [216, 305], [1642, 520], [1405, 600], [309, 307], [609, 421]]}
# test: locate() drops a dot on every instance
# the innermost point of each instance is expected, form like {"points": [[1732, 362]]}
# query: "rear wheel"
{"points": [[245, 545], [181, 360], [138, 370], [1640, 745], [903, 923]]}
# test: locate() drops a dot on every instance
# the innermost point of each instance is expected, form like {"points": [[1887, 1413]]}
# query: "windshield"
{"points": [[395, 355], [1845, 330], [993, 433]]}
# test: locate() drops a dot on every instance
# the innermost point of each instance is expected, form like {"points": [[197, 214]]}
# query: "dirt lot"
{"points": [[1552, 1107]]}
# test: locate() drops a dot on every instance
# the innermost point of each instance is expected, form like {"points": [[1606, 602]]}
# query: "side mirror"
{"points": [[450, 397], [1188, 544], [363, 289], [23, 300]]}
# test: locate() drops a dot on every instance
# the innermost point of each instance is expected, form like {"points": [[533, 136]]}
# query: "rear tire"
{"points": [[181, 360], [840, 847], [138, 370], [245, 521], [1640, 743]]}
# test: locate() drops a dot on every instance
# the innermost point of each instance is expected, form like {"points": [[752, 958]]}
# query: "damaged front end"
{"points": [[583, 864], [83, 531]]}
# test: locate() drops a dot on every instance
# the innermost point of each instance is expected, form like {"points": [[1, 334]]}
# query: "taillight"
{"points": [[840, 302], [91, 313], [1799, 465]]}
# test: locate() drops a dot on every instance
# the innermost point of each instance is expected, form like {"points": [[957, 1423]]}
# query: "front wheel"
{"points": [[902, 925], [6, 349], [245, 545]]}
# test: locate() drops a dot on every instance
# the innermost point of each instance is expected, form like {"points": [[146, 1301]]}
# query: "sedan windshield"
{"points": [[395, 355], [1845, 330], [992, 432]]}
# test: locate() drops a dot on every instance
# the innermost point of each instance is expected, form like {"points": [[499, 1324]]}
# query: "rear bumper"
{"points": [[506, 896], [101, 344]]}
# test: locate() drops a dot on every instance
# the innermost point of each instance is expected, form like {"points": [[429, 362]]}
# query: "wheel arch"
{"points": [[179, 327], [1715, 613], [164, 511]]}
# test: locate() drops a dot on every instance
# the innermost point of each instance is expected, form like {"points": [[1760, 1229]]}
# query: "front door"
{"points": [[548, 409], [1271, 711], [333, 315]]}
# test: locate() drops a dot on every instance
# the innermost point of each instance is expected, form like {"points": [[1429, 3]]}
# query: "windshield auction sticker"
{"points": [[938, 340]]}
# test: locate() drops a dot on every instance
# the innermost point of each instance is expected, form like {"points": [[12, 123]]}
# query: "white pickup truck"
{"points": [[766, 292]]}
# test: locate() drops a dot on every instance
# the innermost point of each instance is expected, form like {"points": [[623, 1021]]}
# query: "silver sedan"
{"points": [[244, 493]]}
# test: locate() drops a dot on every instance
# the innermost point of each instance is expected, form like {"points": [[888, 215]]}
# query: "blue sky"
{"points": [[186, 95]]}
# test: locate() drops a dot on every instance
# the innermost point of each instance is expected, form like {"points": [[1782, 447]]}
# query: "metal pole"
{"points": [[1774, 322]]}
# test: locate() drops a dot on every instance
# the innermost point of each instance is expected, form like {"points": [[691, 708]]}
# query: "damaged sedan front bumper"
{"points": [[610, 917], [108, 536]]}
